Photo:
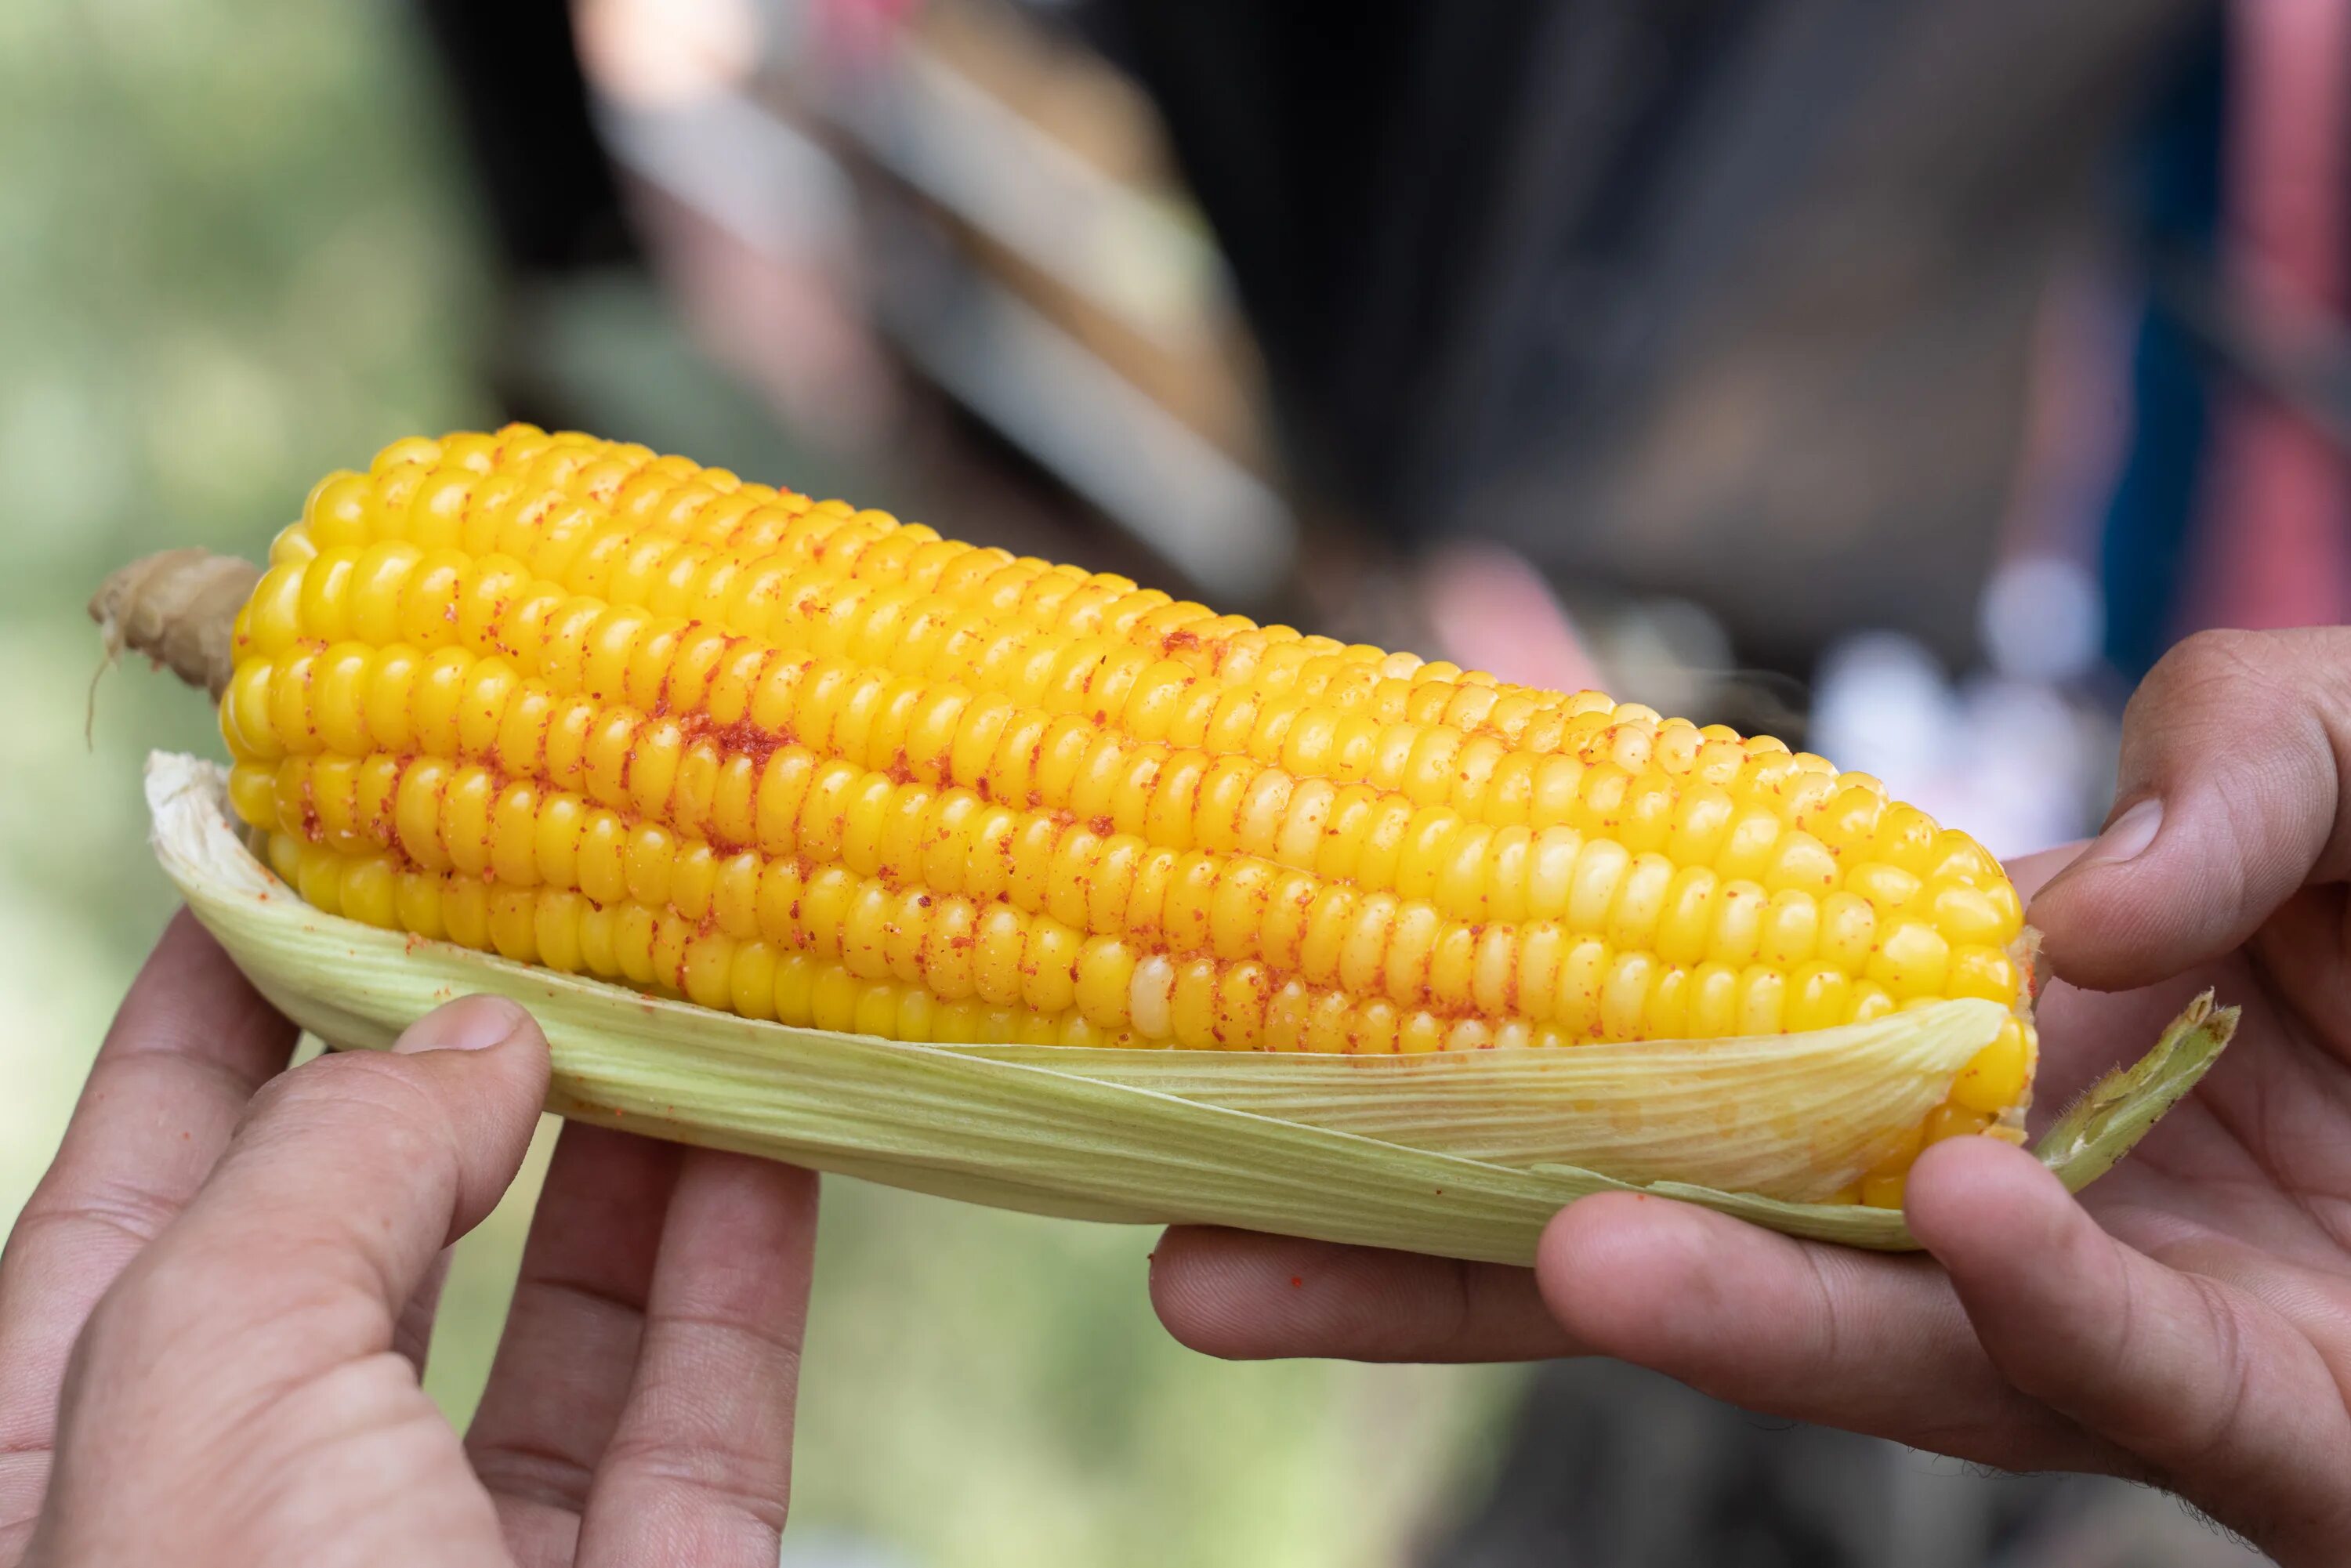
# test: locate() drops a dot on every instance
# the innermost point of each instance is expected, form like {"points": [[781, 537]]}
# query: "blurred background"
{"points": [[1899, 376]]}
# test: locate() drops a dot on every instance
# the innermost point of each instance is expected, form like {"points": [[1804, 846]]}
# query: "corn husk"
{"points": [[1463, 1155]]}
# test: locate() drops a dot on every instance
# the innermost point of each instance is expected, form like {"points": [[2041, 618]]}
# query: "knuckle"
{"points": [[360, 1094], [2269, 710], [533, 1472], [2223, 669], [141, 1317], [369, 1110], [2210, 1429], [2219, 649], [717, 1478], [124, 1211]]}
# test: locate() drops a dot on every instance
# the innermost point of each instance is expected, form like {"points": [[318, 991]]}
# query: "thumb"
{"points": [[2228, 801], [350, 1174], [340, 1186], [251, 1340]]}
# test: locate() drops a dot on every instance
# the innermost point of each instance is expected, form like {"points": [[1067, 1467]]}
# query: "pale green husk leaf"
{"points": [[1462, 1154]]}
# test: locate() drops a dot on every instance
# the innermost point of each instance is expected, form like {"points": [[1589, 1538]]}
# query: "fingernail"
{"points": [[469, 1023], [2126, 838]]}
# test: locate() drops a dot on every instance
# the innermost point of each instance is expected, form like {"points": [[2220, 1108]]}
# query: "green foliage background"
{"points": [[236, 251]]}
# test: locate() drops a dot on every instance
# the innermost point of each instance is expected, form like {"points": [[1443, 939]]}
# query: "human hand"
{"points": [[2187, 1322], [214, 1309]]}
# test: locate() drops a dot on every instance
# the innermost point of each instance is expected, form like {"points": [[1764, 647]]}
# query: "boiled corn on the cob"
{"points": [[618, 714]]}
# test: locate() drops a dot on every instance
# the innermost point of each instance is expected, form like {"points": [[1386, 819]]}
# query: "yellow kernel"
{"points": [[708, 971], [1330, 1024], [795, 989], [418, 899], [1789, 929], [833, 997], [1633, 920], [1906, 838], [1645, 817], [338, 680], [514, 835], [436, 693], [1749, 847], [1578, 997], [1049, 967], [1541, 950], [1242, 992], [649, 859], [1701, 825], [370, 890], [1762, 1000], [1192, 890], [1802, 863], [1552, 859], [1411, 943], [1966, 914], [1870, 1000], [1888, 888], [1419, 1034], [1376, 1029], [464, 826], [1848, 931], [1105, 977], [1850, 819], [1985, 972], [555, 928], [1949, 1121], [1363, 954], [465, 911], [1737, 930], [1624, 996], [1995, 1078], [253, 794], [1912, 960], [1819, 995], [513, 924], [1600, 870], [1453, 968], [420, 450]]}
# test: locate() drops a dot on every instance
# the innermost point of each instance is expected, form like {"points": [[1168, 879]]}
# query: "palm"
{"points": [[2252, 1172], [2256, 1156]]}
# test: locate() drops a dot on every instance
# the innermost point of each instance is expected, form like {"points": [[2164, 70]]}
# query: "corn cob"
{"points": [[619, 715]]}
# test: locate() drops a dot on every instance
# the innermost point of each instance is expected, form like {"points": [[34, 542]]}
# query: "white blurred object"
{"points": [[1882, 705], [750, 173], [2043, 618], [2028, 765], [655, 54], [978, 157], [2010, 761], [1213, 521]]}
